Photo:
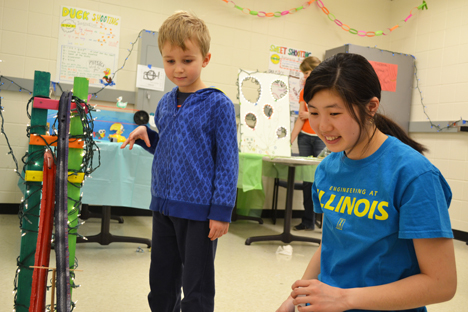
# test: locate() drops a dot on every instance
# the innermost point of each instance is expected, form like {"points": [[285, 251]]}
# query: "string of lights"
{"points": [[451, 124], [125, 61], [2, 131]]}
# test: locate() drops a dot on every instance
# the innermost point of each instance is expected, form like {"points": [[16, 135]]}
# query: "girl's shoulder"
{"points": [[403, 154]]}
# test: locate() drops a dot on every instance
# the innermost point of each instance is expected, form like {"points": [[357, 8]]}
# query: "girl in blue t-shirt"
{"points": [[387, 239]]}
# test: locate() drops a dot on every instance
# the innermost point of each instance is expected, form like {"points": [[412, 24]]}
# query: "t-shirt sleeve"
{"points": [[424, 207], [315, 198]]}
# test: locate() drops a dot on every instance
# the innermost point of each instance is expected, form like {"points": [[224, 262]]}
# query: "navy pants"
{"points": [[182, 255], [309, 146]]}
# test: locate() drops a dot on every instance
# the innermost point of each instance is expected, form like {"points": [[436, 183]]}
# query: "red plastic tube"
{"points": [[42, 257]]}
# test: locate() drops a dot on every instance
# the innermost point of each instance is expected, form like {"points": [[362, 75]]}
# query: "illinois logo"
{"points": [[340, 224]]}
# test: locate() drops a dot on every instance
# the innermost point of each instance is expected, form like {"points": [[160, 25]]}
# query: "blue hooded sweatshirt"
{"points": [[195, 165]]}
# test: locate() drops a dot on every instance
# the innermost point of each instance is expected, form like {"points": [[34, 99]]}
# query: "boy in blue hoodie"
{"points": [[194, 172]]}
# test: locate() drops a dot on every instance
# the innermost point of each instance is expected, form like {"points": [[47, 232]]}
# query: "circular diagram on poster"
{"points": [[251, 120], [268, 110], [281, 132], [251, 89], [279, 89]]}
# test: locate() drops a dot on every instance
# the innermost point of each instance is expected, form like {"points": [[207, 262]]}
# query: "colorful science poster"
{"points": [[88, 46], [264, 114], [109, 124], [285, 61]]}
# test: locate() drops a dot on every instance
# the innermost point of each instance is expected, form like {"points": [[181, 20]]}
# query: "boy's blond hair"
{"points": [[309, 63], [182, 26]]}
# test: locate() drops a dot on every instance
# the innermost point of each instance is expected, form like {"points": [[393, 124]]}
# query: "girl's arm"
{"points": [[299, 122], [313, 268], [312, 271], [437, 282]]}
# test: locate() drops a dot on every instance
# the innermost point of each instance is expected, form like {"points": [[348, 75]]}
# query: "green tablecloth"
{"points": [[250, 193]]}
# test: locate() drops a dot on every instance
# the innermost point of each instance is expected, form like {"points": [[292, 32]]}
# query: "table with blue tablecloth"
{"points": [[124, 179]]}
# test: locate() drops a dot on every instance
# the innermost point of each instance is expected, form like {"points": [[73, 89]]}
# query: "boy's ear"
{"points": [[373, 106], [206, 60]]}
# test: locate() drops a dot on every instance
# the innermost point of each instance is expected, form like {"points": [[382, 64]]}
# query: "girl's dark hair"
{"points": [[353, 79]]}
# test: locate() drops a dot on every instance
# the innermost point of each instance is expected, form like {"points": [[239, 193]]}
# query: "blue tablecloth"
{"points": [[123, 179]]}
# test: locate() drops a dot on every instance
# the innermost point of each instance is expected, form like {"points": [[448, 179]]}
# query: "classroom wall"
{"points": [[28, 42], [437, 39]]}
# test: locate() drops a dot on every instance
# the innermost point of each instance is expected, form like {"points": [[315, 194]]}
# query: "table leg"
{"points": [[235, 216], [105, 237], [86, 214], [286, 236]]}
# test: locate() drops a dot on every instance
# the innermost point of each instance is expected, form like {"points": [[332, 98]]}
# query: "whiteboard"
{"points": [[88, 45]]}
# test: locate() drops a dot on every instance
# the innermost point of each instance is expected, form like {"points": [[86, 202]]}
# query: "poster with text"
{"points": [[285, 61], [88, 46]]}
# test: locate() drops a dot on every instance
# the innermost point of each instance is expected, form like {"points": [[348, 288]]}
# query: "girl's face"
{"points": [[333, 123], [306, 74]]}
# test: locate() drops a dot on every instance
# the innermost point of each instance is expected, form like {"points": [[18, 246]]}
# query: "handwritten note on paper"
{"points": [[387, 74], [82, 62], [88, 45]]}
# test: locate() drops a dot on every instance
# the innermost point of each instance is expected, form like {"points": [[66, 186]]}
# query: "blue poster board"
{"points": [[107, 123]]}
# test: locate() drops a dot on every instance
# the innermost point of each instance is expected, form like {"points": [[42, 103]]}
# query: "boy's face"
{"points": [[184, 67]]}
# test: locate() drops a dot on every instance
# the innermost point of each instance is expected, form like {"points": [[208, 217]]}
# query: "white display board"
{"points": [[264, 114], [88, 45]]}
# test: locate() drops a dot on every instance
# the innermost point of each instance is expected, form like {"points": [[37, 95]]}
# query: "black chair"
{"points": [[274, 204]]}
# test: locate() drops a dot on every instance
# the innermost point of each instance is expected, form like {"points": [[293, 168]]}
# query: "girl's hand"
{"points": [[320, 296], [304, 115], [139, 133], [287, 306]]}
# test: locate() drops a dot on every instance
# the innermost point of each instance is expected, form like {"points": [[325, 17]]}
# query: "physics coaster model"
{"points": [[56, 166]]}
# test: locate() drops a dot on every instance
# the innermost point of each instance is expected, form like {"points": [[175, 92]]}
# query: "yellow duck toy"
{"points": [[117, 137]]}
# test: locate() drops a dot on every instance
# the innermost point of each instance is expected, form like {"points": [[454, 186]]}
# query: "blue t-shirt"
{"points": [[373, 208]]}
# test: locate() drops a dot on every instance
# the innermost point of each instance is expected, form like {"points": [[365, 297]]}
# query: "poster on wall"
{"points": [[88, 46], [285, 61], [264, 114], [110, 126], [150, 77], [387, 74]]}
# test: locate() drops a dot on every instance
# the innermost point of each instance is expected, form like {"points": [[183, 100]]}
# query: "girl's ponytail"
{"points": [[389, 127]]}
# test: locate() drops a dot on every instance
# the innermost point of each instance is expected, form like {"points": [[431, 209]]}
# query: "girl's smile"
{"points": [[338, 129]]}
